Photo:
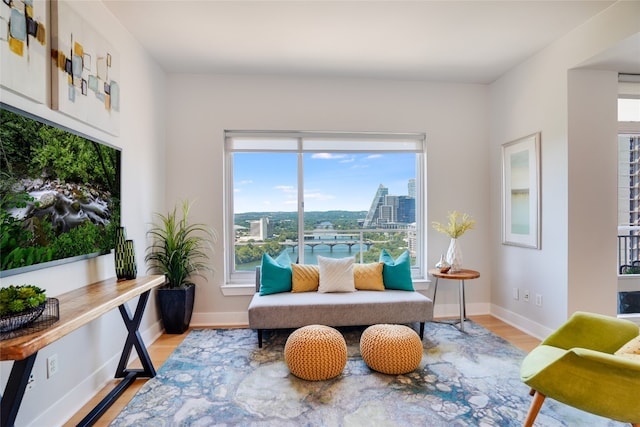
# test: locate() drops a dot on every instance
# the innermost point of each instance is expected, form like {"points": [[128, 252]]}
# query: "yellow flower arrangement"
{"points": [[457, 225]]}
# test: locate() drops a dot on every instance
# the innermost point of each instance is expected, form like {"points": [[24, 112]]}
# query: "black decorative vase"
{"points": [[119, 253], [129, 260], [176, 307]]}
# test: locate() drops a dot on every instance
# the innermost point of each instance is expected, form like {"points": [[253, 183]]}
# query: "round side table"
{"points": [[461, 275]]}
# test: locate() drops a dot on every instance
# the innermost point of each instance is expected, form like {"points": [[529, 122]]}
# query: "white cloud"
{"points": [[285, 188], [328, 156], [373, 156], [319, 196]]}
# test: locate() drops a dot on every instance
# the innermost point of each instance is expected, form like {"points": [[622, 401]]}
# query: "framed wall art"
{"points": [[24, 54], [85, 71], [521, 192]]}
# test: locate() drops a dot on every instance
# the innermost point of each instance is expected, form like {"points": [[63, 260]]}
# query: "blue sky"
{"points": [[333, 181]]}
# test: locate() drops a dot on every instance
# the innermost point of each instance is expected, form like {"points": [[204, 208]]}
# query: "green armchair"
{"points": [[576, 365]]}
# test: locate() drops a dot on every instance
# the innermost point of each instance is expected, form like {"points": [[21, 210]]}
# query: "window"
{"points": [[629, 175], [322, 194]]}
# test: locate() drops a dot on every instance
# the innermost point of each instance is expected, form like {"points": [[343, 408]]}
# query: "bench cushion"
{"points": [[293, 310]]}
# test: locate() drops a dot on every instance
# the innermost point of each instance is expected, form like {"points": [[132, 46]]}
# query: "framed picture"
{"points": [[521, 192], [85, 71], [24, 48]]}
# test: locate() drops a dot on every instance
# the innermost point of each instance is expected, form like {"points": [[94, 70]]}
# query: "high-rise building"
{"points": [[411, 188], [378, 200], [406, 210], [390, 210], [261, 229]]}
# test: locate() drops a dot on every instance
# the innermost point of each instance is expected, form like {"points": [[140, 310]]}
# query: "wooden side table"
{"points": [[461, 275]]}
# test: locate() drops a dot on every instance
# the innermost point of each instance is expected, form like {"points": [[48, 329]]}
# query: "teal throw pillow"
{"points": [[396, 274], [275, 274]]}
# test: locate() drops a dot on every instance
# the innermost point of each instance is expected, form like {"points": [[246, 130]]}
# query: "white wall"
{"points": [[572, 270], [593, 202], [454, 118], [87, 358]]}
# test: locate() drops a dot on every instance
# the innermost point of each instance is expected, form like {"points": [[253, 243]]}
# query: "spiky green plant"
{"points": [[179, 249]]}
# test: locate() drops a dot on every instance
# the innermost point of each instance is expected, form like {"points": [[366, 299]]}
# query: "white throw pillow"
{"points": [[336, 275]]}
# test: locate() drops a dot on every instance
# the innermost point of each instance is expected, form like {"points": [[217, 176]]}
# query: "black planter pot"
{"points": [[176, 307]]}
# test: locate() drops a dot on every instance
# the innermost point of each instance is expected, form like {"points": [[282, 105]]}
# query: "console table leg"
{"points": [[134, 339], [14, 390]]}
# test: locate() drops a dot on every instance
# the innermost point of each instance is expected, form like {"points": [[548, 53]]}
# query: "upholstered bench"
{"points": [[391, 349], [371, 300]]}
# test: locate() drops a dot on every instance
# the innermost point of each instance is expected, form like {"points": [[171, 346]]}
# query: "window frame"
{"points": [[302, 142], [628, 88]]}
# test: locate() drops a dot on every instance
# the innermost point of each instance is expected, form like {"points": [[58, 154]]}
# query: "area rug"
{"points": [[219, 377]]}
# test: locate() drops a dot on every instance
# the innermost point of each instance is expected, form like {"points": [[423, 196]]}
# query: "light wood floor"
{"points": [[160, 350]]}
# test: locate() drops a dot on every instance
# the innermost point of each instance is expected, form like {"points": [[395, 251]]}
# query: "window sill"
{"points": [[234, 290]]}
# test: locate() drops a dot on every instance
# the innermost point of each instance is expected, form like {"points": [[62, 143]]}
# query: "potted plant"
{"points": [[179, 251], [20, 305], [458, 223]]}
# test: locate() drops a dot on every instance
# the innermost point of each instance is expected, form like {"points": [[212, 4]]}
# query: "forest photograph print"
{"points": [[59, 193]]}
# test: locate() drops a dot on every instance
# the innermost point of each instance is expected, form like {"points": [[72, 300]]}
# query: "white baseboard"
{"points": [[524, 324], [238, 318], [453, 310], [71, 402]]}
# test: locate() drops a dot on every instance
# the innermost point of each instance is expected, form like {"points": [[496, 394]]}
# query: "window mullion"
{"points": [[300, 202]]}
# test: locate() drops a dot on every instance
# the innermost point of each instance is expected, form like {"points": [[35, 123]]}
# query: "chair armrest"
{"points": [[607, 359], [593, 331]]}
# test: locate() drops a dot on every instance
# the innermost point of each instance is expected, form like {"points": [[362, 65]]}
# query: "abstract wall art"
{"points": [[521, 192], [84, 72], [23, 47]]}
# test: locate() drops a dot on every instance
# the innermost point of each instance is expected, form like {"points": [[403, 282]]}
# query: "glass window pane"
{"points": [[355, 204], [264, 206], [628, 110]]}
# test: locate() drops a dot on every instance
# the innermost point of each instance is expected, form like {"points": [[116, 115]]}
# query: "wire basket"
{"points": [[31, 320]]}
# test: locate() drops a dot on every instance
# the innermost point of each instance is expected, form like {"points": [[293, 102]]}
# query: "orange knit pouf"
{"points": [[315, 353], [391, 349]]}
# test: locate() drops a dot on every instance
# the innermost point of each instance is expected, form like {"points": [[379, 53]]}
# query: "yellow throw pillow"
{"points": [[368, 277], [305, 278], [630, 350]]}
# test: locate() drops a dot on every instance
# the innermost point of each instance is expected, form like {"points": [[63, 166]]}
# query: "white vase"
{"points": [[454, 256]]}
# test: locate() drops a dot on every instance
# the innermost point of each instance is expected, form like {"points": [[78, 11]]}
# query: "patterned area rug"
{"points": [[220, 377]]}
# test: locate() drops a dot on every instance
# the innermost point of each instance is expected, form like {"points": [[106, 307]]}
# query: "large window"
{"points": [[322, 194]]}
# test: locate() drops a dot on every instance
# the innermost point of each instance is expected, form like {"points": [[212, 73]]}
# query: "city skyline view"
{"points": [[333, 181]]}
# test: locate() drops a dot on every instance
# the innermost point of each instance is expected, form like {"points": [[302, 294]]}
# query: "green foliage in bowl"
{"points": [[16, 299]]}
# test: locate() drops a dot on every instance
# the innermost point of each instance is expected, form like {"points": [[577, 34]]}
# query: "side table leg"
{"points": [[435, 291], [463, 309]]}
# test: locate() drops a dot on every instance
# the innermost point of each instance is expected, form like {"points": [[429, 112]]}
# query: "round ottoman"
{"points": [[315, 352], [391, 349]]}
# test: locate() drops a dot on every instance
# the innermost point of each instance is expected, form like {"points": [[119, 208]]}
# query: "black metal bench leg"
{"points": [[421, 330], [259, 338]]}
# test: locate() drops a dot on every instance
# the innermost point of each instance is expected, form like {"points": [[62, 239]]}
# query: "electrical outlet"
{"points": [[539, 300], [516, 294], [52, 365], [525, 297], [31, 383]]}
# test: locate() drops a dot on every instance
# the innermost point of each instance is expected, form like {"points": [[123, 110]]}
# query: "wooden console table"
{"points": [[77, 308]]}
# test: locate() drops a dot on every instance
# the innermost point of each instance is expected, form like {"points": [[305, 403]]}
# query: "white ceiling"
{"points": [[457, 41]]}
